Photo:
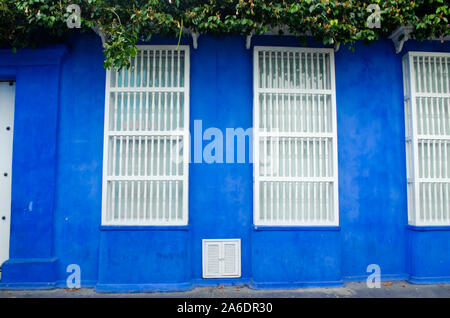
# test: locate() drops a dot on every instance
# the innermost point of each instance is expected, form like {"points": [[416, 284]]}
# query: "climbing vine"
{"points": [[123, 23]]}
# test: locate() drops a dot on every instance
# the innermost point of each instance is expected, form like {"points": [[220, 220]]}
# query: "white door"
{"points": [[7, 92]]}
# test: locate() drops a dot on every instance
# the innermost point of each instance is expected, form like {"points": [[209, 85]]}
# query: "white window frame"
{"points": [[184, 133], [412, 137], [257, 134]]}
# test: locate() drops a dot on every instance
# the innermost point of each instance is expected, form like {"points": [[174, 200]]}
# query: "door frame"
{"points": [[6, 215]]}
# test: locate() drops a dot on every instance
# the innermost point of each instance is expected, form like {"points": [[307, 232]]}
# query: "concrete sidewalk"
{"points": [[350, 290]]}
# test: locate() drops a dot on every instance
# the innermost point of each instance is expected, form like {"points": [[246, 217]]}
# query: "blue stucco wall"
{"points": [[220, 196], [372, 182], [428, 254], [288, 258], [80, 158], [37, 74], [156, 259], [372, 174]]}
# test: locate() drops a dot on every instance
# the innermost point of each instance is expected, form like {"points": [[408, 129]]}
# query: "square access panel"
{"points": [[221, 258]]}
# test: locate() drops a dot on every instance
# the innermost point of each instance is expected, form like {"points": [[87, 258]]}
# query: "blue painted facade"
{"points": [[57, 178]]}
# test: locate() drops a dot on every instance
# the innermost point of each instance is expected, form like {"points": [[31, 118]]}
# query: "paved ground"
{"points": [[388, 289]]}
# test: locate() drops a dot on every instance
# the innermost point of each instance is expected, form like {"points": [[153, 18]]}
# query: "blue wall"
{"points": [[372, 182], [372, 173], [80, 158], [37, 74]]}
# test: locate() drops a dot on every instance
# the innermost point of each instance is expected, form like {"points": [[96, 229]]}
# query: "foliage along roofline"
{"points": [[30, 23]]}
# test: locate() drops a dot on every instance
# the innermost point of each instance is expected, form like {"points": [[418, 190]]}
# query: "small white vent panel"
{"points": [[221, 258]]}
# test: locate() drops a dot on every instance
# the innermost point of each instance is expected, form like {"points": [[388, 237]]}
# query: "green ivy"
{"points": [[30, 23]]}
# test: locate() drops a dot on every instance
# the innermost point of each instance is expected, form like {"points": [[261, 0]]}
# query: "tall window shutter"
{"points": [[427, 137], [295, 137], [146, 148]]}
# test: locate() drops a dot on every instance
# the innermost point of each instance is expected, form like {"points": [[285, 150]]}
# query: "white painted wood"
{"points": [[221, 258], [141, 107], [7, 96], [294, 95], [427, 137]]}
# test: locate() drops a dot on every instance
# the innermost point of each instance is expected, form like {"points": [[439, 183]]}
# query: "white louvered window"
{"points": [[146, 148], [295, 144], [427, 135], [221, 258]]}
